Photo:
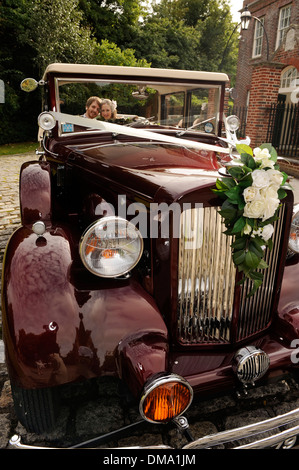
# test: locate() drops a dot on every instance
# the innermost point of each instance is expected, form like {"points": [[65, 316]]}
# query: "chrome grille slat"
{"points": [[206, 281], [205, 299]]}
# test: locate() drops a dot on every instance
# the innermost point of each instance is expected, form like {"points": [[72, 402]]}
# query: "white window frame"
{"points": [[289, 79], [258, 38], [283, 23]]}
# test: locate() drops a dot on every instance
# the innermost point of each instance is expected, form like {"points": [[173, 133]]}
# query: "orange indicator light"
{"points": [[166, 402]]}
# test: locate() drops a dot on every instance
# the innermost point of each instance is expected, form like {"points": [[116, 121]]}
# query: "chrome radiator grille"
{"points": [[206, 282]]}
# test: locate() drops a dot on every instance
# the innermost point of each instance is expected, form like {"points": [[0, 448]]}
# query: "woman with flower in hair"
{"points": [[108, 110]]}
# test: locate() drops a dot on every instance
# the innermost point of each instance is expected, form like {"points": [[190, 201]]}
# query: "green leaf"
{"points": [[228, 213], [281, 193], [229, 182], [262, 264], [234, 194], [285, 177], [248, 161], [221, 185], [270, 244], [256, 276], [239, 225], [256, 285], [252, 260], [237, 172], [239, 257], [243, 148], [239, 243], [255, 248]]}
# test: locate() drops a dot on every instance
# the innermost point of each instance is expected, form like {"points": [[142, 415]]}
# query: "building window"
{"points": [[283, 24], [289, 78], [258, 38]]}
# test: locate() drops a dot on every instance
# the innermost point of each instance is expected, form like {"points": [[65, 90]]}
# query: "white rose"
{"points": [[260, 179], [270, 206], [270, 192], [251, 193], [275, 177], [267, 232], [254, 209], [266, 163], [260, 154], [263, 157]]}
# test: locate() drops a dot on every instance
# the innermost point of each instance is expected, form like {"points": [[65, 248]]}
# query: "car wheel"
{"points": [[35, 409]]}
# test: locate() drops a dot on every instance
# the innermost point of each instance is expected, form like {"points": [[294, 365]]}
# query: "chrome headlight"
{"points": [[46, 121], [294, 232], [233, 123], [111, 247], [165, 397]]}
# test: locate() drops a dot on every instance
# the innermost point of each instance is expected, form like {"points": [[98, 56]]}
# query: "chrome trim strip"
{"points": [[231, 435], [251, 430], [16, 443]]}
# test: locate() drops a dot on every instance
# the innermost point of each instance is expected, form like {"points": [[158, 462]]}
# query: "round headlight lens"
{"points": [[111, 247], [294, 233], [165, 398], [46, 121], [233, 123]]}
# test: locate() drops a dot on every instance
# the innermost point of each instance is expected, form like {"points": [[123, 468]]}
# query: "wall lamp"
{"points": [[245, 21]]}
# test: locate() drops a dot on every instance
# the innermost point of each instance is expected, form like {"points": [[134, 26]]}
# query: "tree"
{"points": [[114, 20], [16, 63], [191, 34], [55, 32], [109, 53], [168, 43]]}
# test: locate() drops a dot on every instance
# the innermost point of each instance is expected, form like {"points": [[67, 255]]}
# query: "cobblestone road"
{"points": [[94, 409]]}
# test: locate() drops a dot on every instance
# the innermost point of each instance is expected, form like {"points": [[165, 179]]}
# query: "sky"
{"points": [[236, 5]]}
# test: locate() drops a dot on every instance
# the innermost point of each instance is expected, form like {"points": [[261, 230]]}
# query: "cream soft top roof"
{"points": [[61, 68]]}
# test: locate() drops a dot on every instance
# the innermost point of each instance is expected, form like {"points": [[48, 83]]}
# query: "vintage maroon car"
{"points": [[121, 267]]}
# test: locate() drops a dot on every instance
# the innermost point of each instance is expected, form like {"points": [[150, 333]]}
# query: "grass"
{"points": [[18, 148]]}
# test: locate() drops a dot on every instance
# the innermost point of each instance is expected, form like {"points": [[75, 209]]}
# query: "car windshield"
{"points": [[144, 104]]}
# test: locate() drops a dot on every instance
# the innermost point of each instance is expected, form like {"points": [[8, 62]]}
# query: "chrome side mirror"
{"points": [[30, 84]]}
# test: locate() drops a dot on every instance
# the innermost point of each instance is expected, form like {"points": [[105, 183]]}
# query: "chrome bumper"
{"points": [[279, 430], [276, 427]]}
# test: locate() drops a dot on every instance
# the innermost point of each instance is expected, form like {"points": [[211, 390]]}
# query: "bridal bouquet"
{"points": [[252, 194]]}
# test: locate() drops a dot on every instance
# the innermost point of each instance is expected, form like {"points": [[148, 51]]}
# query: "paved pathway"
{"points": [[9, 196], [86, 415]]}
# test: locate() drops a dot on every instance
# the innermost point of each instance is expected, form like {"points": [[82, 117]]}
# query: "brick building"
{"points": [[268, 74]]}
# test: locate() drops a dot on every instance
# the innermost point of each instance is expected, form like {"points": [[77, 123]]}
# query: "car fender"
{"points": [[35, 192], [57, 331]]}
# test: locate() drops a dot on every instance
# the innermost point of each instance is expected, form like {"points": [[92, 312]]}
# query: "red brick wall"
{"points": [[264, 91], [258, 75]]}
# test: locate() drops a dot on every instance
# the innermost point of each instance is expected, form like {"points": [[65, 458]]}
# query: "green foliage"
{"points": [[168, 43], [109, 53], [16, 122], [189, 34], [55, 33], [249, 233], [114, 20]]}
